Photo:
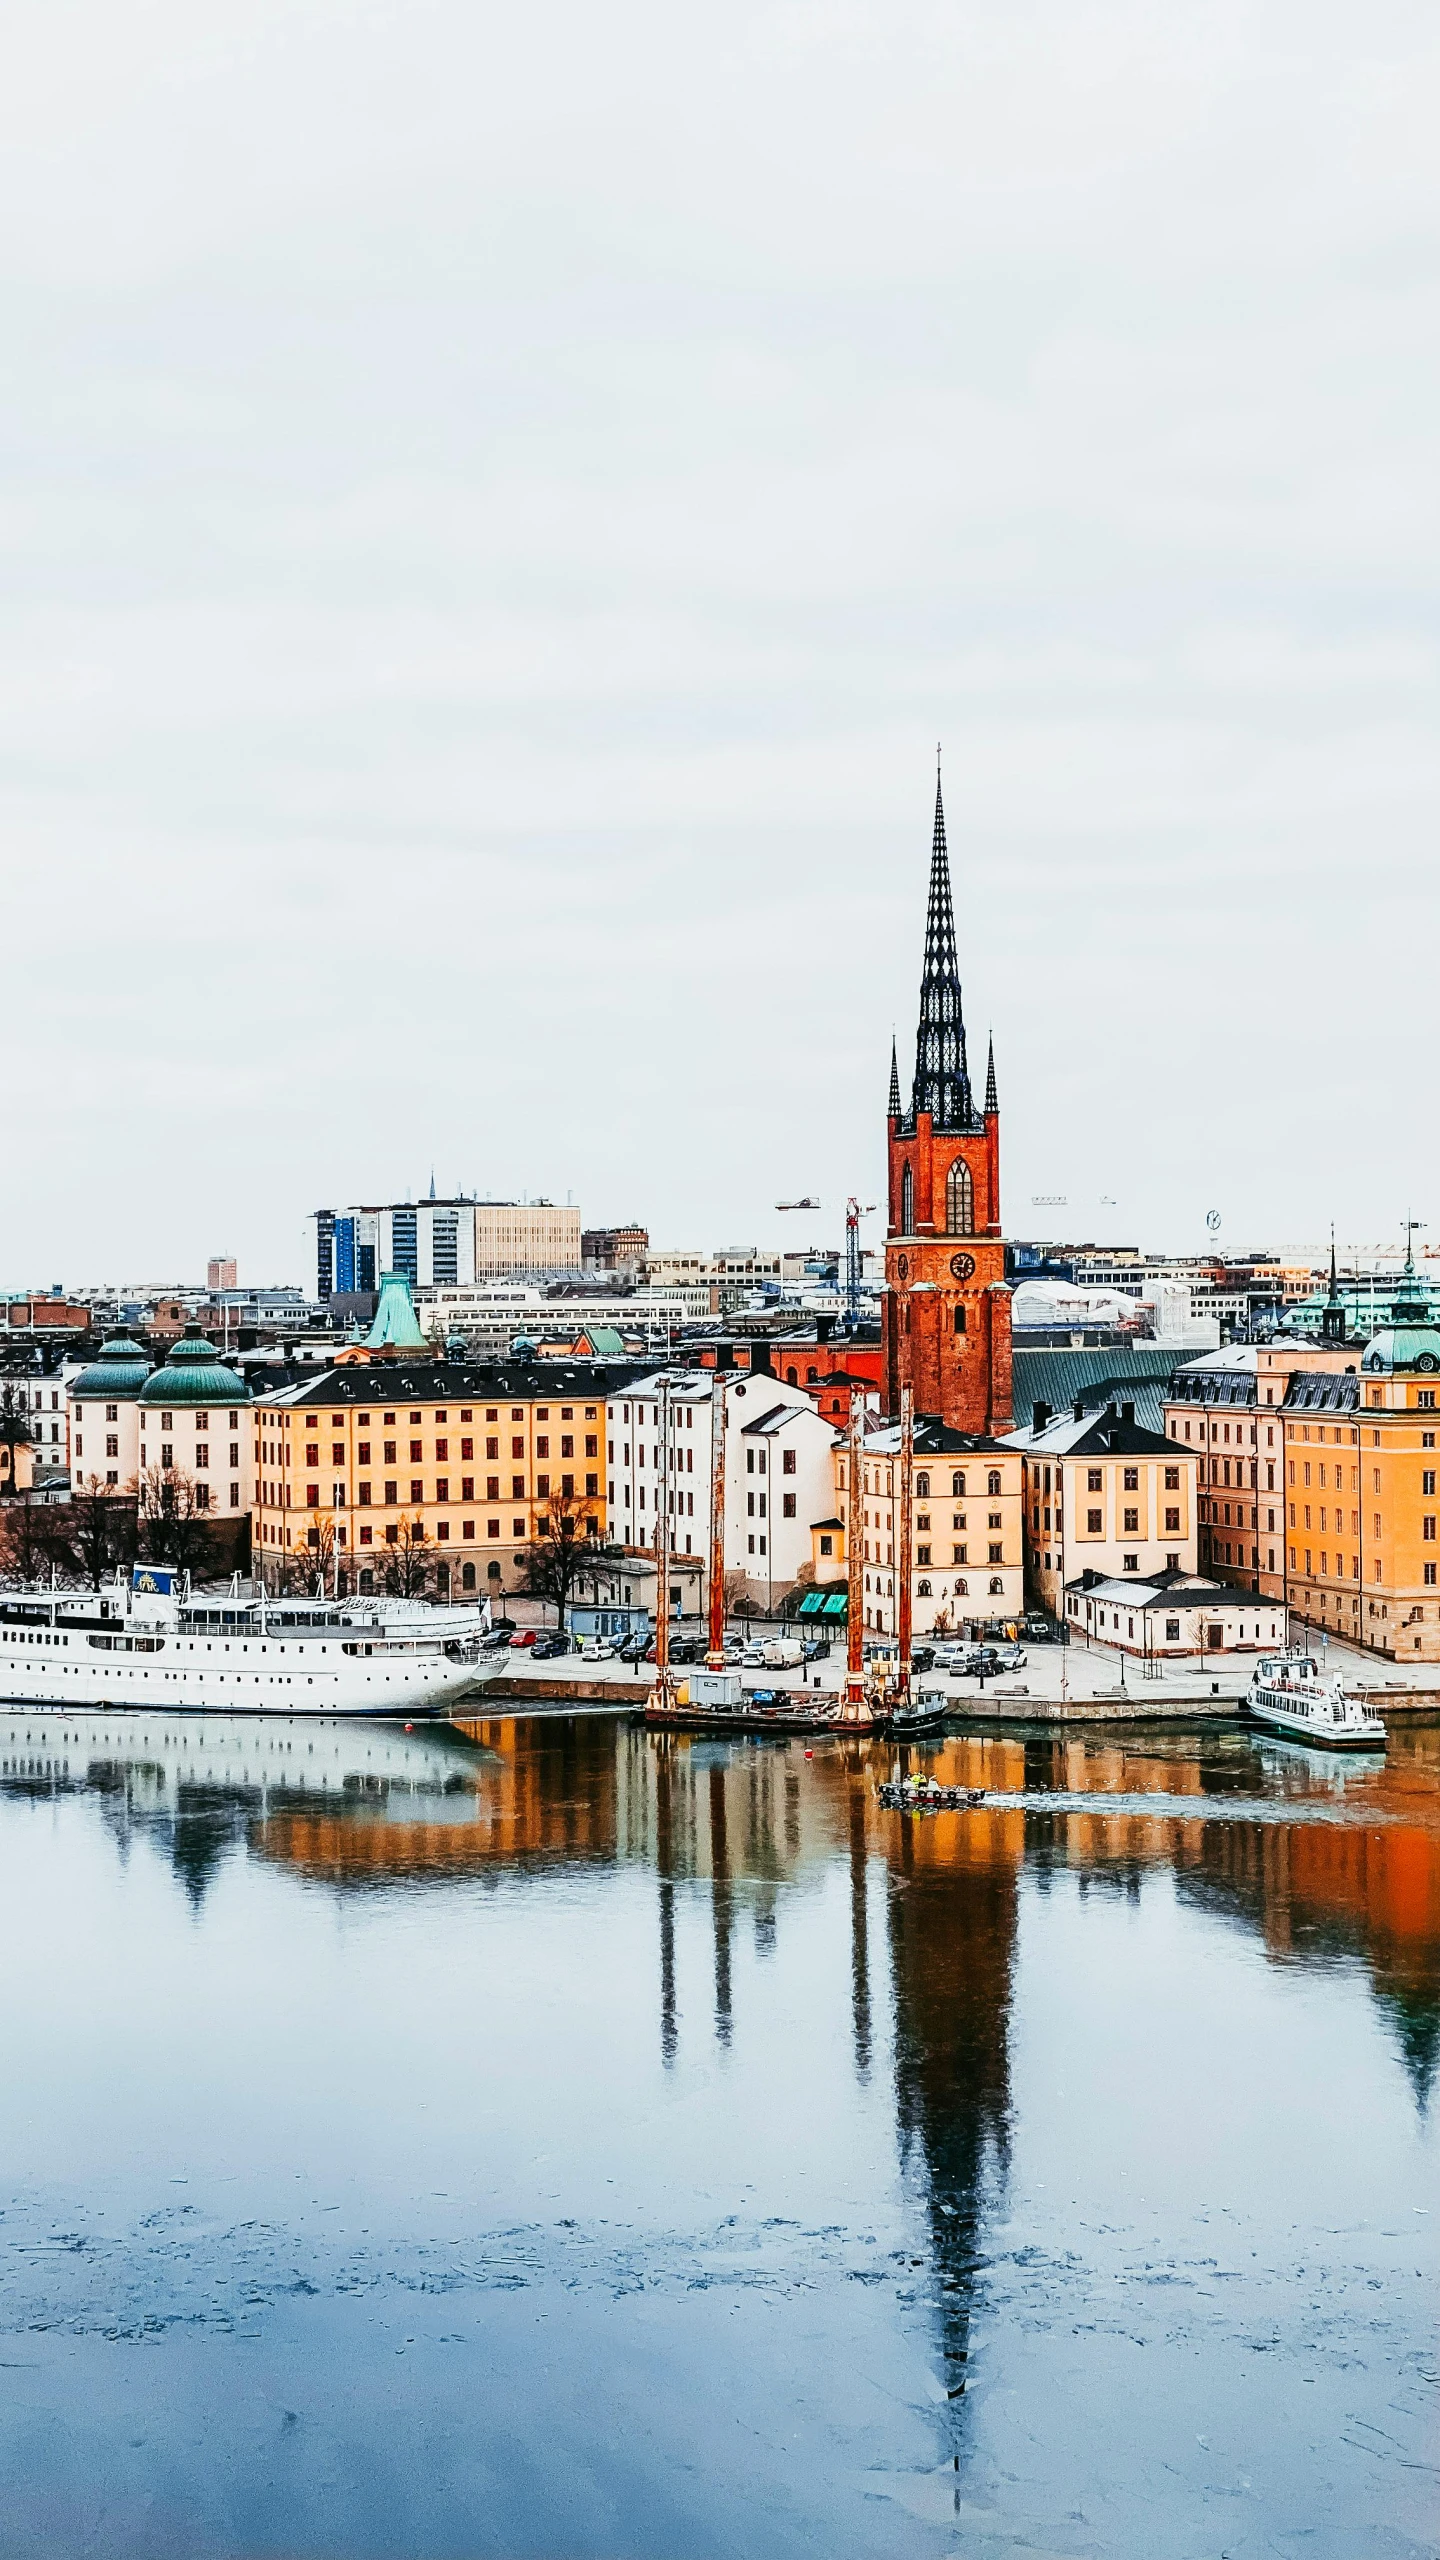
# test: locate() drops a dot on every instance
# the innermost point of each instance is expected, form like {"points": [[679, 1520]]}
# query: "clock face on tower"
{"points": [[963, 1265]]}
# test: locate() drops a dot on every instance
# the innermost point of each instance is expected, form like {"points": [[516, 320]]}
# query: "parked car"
{"points": [[527, 1636], [496, 1641], [635, 1649], [596, 1649], [922, 1657], [1036, 1628], [782, 1653], [817, 1649], [548, 1648], [502, 1626], [687, 1648], [952, 1657]]}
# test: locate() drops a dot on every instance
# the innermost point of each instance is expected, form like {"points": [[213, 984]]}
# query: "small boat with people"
{"points": [[1291, 1694], [926, 1795]]}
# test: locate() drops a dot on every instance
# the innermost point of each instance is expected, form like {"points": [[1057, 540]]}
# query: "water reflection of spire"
{"points": [[665, 1875], [721, 1907], [859, 1931], [952, 1943]]}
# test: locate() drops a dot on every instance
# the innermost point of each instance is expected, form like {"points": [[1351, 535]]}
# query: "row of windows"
{"points": [[275, 1497]]}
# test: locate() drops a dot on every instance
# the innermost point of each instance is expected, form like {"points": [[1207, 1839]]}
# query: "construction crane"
{"points": [[855, 1210]]}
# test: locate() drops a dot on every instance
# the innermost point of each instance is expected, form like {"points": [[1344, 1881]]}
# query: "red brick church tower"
{"points": [[947, 1305]]}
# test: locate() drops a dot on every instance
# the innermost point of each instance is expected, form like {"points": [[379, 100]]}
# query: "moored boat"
{"points": [[151, 1643], [1290, 1693]]}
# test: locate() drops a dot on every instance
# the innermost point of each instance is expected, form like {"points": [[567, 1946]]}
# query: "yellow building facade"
{"points": [[967, 1559], [1362, 1514], [353, 1465]]}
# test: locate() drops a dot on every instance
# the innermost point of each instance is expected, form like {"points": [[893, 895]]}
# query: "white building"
{"points": [[45, 1405], [779, 1472], [191, 1416], [1168, 1616]]}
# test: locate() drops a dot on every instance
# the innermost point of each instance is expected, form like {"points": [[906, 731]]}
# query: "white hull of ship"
{"points": [[183, 1679], [1316, 1728]]}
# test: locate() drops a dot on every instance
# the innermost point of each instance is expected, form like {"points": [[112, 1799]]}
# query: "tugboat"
{"points": [[1290, 1693]]}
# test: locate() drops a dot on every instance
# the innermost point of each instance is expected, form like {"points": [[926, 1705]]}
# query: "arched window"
{"points": [[812, 1377], [959, 1200], [957, 1483], [959, 1319], [467, 1577], [792, 1377], [962, 1587], [996, 1585], [922, 1590], [994, 1479], [922, 1485], [907, 1201]]}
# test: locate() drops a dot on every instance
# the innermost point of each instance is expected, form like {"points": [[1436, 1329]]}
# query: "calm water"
{"points": [[555, 2141]]}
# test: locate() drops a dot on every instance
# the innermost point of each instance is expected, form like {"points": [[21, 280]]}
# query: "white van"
{"points": [[782, 1653]]}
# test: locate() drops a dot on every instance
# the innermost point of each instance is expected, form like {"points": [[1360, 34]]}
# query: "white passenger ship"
{"points": [[153, 1644], [1291, 1694]]}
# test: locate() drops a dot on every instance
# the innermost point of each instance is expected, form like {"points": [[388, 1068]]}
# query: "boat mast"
{"points": [[719, 1415], [854, 1707], [905, 1611], [662, 1552]]}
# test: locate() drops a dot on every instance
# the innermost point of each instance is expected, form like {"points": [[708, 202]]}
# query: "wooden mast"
{"points": [[662, 1551], [719, 1415], [854, 1574], [905, 1609]]}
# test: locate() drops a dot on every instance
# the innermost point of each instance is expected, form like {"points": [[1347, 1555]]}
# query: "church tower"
{"points": [[947, 1305]]}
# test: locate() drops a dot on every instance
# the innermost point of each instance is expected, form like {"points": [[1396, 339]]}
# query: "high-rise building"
{"points": [[947, 1305], [441, 1244], [220, 1272]]}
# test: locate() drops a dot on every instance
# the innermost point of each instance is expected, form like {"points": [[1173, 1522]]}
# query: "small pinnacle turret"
{"points": [[992, 1099], [893, 1106]]}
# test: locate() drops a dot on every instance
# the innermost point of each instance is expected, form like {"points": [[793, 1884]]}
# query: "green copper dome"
{"points": [[194, 1374], [116, 1377], [1409, 1347]]}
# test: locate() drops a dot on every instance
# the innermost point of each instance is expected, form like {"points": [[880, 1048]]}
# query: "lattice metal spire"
{"points": [[992, 1098], [942, 1078], [893, 1106]]}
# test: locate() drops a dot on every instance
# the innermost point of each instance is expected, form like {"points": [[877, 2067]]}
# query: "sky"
{"points": [[497, 508]]}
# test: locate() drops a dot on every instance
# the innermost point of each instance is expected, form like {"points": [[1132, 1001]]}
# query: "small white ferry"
{"points": [[1290, 1693], [151, 1643]]}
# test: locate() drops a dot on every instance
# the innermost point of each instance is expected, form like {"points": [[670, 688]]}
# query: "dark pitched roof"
{"points": [[1323, 1391], [451, 1382]]}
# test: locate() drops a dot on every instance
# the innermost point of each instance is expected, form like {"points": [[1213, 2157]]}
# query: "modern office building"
{"points": [[440, 1244]]}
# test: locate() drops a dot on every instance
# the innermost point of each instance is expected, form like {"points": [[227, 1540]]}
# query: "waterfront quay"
{"points": [[549, 2136]]}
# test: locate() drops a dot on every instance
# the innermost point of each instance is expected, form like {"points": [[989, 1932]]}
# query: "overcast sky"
{"points": [[498, 507]]}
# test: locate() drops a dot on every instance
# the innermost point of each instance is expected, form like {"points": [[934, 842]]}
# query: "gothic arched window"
{"points": [[959, 1200], [907, 1201], [957, 1484]]}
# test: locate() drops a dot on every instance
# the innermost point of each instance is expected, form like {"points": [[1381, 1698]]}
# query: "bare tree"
{"points": [[15, 1431], [28, 1543], [408, 1563], [101, 1528], [563, 1551], [173, 1527]]}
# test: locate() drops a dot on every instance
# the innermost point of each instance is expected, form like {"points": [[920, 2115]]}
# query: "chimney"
{"points": [[760, 1359], [1079, 1408], [824, 1328], [1127, 1413], [724, 1355], [1040, 1416]]}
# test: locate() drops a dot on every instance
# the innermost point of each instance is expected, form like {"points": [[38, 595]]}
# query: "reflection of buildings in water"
{"points": [[1313, 1889], [199, 1786], [953, 1901]]}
